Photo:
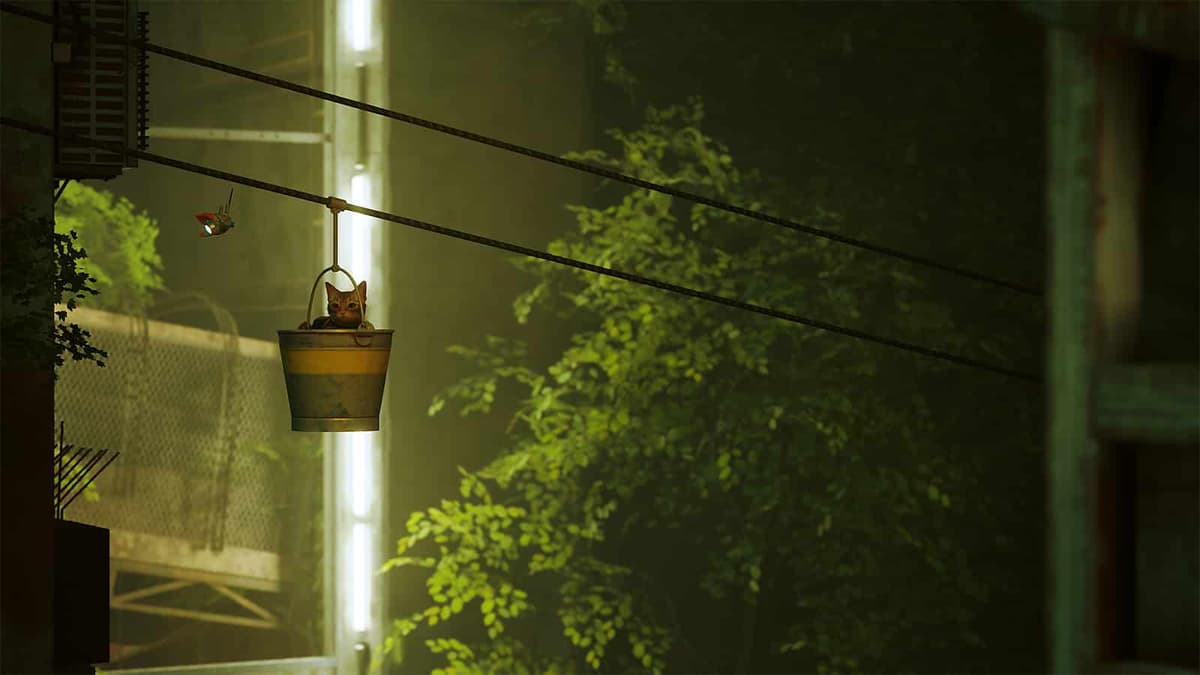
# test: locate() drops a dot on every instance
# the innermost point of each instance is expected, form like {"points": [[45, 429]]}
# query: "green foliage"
{"points": [[122, 256], [604, 20], [30, 246], [72, 284], [97, 249], [802, 472]]}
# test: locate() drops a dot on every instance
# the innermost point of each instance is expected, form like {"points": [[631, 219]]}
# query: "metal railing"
{"points": [[309, 665]]}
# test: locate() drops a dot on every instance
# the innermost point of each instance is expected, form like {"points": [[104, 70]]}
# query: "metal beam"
{"points": [[194, 575], [1162, 25], [157, 589], [1073, 456], [143, 553], [163, 332], [1157, 403], [237, 135], [264, 619], [212, 617], [307, 664], [242, 600]]}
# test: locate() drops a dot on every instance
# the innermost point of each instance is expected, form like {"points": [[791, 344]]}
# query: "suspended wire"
{"points": [[536, 154], [525, 251]]}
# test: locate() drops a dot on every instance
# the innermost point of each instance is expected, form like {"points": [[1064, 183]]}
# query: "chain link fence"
{"points": [[190, 411]]}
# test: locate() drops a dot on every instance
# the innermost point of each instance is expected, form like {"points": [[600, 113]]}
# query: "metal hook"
{"points": [[336, 206]]}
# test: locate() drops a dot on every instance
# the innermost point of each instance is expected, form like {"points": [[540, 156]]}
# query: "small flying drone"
{"points": [[216, 224]]}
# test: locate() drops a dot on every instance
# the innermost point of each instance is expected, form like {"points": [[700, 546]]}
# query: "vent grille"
{"points": [[143, 82], [94, 89]]}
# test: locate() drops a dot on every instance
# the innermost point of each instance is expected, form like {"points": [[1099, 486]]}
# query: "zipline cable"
{"points": [[530, 152], [525, 251]]}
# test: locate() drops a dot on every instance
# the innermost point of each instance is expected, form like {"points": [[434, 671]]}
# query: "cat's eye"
{"points": [[354, 305]]}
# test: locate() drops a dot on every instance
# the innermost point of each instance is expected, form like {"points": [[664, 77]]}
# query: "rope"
{"points": [[525, 251], [535, 154]]}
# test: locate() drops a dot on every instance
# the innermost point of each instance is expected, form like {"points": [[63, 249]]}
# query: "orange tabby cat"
{"points": [[344, 309]]}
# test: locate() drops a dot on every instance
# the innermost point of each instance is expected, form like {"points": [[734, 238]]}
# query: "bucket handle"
{"points": [[336, 206], [313, 293]]}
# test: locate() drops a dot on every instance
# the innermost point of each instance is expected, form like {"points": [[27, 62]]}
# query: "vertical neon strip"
{"points": [[357, 41], [360, 479], [358, 238], [362, 566], [329, 174], [358, 24]]}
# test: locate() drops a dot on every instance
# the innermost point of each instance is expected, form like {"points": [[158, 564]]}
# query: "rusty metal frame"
{"points": [[134, 601], [1072, 451], [151, 555], [228, 573], [1095, 94], [308, 665]]}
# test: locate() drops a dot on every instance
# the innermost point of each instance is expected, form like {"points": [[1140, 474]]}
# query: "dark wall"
{"points": [[472, 65], [26, 387], [1166, 508]]}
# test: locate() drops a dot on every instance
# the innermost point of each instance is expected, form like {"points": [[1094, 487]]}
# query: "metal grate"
{"points": [[95, 87], [187, 471], [143, 82]]}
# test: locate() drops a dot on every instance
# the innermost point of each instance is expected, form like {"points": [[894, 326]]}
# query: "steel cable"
{"points": [[525, 251], [535, 154]]}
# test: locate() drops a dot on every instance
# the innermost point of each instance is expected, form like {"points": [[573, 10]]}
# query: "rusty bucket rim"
{"points": [[334, 331], [335, 424]]}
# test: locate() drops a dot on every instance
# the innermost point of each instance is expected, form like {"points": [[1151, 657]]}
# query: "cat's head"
{"points": [[346, 307]]}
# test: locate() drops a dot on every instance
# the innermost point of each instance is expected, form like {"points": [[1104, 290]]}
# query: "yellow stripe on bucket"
{"points": [[327, 361]]}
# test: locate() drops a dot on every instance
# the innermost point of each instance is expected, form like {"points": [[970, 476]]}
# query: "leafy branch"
{"points": [[785, 466], [29, 337]]}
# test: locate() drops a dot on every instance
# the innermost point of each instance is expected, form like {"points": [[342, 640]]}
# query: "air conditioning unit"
{"points": [[100, 85]]}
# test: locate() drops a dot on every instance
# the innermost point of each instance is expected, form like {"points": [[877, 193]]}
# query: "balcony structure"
{"points": [[194, 504]]}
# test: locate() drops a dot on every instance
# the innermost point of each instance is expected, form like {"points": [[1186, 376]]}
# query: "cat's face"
{"points": [[344, 308]]}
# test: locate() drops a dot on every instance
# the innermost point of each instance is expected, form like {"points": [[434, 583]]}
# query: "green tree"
{"points": [[678, 464], [120, 245], [24, 340], [101, 250]]}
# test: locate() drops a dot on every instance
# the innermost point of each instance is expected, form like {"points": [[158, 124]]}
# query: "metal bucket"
{"points": [[335, 377]]}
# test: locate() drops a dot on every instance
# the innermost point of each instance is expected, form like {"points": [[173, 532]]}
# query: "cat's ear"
{"points": [[331, 291], [362, 290]]}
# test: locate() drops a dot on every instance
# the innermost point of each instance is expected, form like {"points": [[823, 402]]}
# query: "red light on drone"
{"points": [[216, 224]]}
